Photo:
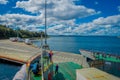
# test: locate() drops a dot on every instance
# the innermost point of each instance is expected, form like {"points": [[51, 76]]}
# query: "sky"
{"points": [[64, 17]]}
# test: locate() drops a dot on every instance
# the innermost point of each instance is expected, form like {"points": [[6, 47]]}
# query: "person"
{"points": [[56, 68], [35, 68], [50, 55]]}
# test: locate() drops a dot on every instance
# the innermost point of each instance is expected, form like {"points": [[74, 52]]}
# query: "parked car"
{"points": [[13, 39], [28, 41]]}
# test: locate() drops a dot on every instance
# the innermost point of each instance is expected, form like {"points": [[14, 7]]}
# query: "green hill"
{"points": [[6, 33]]}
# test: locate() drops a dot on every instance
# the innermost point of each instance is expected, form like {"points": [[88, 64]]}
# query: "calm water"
{"points": [[7, 71], [73, 44]]}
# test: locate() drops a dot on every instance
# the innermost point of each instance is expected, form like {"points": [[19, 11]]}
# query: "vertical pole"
{"points": [[16, 30], [42, 58], [17, 34], [45, 22]]}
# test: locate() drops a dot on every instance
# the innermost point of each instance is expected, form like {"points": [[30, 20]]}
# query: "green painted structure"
{"points": [[67, 71], [107, 58], [100, 56]]}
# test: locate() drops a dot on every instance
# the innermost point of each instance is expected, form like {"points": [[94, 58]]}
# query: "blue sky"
{"points": [[64, 17]]}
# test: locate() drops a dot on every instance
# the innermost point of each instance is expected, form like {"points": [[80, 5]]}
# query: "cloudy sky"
{"points": [[64, 17]]}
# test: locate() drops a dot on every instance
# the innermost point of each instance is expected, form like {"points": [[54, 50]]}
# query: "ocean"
{"points": [[7, 71], [73, 44], [106, 44]]}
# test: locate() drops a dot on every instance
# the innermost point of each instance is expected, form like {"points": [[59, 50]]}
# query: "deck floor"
{"points": [[67, 71], [69, 57], [17, 51]]}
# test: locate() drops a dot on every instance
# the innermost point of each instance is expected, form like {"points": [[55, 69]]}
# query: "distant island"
{"points": [[83, 36], [6, 32]]}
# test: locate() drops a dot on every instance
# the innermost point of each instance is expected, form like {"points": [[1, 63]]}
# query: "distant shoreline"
{"points": [[81, 36], [36, 38]]}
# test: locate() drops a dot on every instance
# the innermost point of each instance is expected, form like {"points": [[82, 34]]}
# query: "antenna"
{"points": [[46, 46], [45, 22]]}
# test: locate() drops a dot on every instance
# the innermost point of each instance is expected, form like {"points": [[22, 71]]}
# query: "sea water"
{"points": [[72, 44], [7, 71]]}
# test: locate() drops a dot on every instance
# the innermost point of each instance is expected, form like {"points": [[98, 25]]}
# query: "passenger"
{"points": [[48, 59], [50, 55], [35, 68], [56, 68]]}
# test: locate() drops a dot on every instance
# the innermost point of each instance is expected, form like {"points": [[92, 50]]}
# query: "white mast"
{"points": [[45, 41], [42, 58], [45, 22]]}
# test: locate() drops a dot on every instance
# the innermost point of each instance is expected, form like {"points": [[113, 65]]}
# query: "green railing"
{"points": [[107, 57]]}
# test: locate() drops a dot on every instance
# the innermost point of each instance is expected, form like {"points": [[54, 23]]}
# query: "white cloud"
{"points": [[61, 16], [3, 1], [59, 9], [111, 20], [33, 6], [61, 29], [119, 8], [20, 20], [58, 12], [29, 22], [101, 26]]}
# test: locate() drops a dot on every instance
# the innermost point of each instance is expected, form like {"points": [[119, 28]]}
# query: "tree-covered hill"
{"points": [[6, 32]]}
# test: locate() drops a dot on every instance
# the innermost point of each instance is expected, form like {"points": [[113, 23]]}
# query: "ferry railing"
{"points": [[102, 55]]}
